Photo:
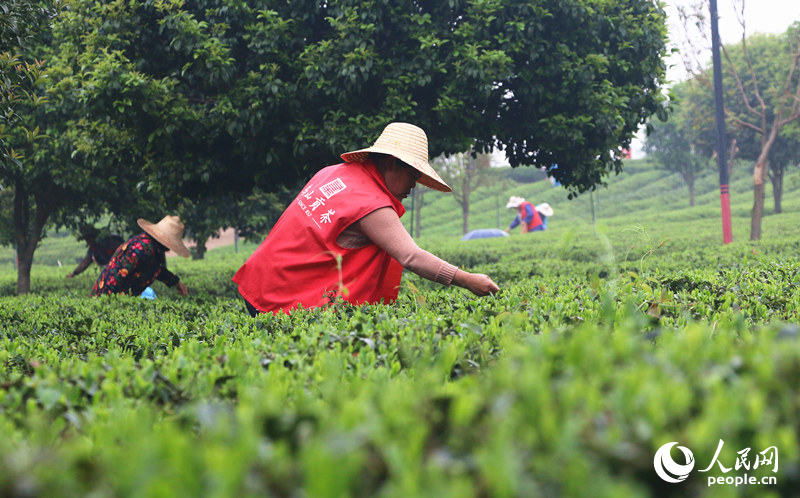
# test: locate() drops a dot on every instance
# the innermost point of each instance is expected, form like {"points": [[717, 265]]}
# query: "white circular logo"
{"points": [[665, 465]]}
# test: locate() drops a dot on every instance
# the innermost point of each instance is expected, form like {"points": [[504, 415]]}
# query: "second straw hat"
{"points": [[407, 143], [168, 231], [545, 209]]}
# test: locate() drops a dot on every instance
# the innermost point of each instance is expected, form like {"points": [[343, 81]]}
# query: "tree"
{"points": [[265, 96], [464, 172], [762, 85], [31, 196], [675, 144], [418, 202], [784, 153], [162, 106], [252, 215], [764, 70]]}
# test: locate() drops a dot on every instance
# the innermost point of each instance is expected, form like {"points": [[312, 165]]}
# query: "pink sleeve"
{"points": [[384, 229]]}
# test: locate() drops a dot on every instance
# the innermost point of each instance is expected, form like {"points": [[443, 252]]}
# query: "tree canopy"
{"points": [[194, 106], [226, 95]]}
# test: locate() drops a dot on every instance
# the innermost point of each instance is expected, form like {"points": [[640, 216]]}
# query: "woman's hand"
{"points": [[477, 283], [182, 289]]}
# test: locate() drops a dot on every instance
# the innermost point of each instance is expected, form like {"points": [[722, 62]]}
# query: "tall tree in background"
{"points": [[764, 71], [677, 144], [464, 172], [762, 85], [783, 154], [418, 201], [671, 148]]}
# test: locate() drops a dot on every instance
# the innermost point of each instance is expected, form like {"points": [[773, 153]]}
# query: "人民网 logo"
{"points": [[667, 468]]}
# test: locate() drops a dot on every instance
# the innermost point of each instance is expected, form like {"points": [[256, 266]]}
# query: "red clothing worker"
{"points": [[527, 215], [341, 237]]}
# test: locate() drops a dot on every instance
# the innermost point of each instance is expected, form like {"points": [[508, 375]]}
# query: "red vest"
{"points": [[535, 221], [297, 262]]}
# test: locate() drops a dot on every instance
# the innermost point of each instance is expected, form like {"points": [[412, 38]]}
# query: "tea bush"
{"points": [[598, 350]]}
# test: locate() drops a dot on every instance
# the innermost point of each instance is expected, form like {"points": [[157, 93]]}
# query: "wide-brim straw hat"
{"points": [[515, 201], [545, 209], [407, 143], [168, 231]]}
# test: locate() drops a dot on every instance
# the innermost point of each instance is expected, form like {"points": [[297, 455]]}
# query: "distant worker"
{"points": [[100, 250], [342, 238], [545, 211], [142, 260], [527, 216], [549, 172]]}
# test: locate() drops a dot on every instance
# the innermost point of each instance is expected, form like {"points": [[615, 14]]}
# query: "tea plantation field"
{"points": [[606, 343]]}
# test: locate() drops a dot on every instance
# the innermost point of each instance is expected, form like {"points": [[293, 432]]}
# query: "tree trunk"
{"points": [[688, 179], [25, 264], [776, 177], [21, 222], [199, 251], [759, 175], [758, 200], [465, 217], [27, 229], [465, 204], [731, 158], [418, 211]]}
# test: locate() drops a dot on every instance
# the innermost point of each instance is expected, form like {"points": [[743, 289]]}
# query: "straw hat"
{"points": [[545, 209], [168, 231], [515, 201], [407, 143]]}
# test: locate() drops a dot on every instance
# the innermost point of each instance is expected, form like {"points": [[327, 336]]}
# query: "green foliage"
{"points": [[184, 106], [21, 22], [566, 383], [252, 215], [220, 95], [677, 145], [599, 350], [527, 174], [22, 95]]}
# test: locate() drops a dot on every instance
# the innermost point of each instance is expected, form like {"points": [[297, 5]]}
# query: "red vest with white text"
{"points": [[300, 263], [535, 221]]}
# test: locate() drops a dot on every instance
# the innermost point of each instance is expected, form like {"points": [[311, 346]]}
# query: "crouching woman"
{"points": [[142, 260], [342, 237]]}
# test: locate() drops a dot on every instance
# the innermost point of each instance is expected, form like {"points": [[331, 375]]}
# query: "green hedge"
{"points": [[598, 351]]}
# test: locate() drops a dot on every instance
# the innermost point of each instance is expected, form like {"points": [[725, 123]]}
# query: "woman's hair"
{"points": [[384, 159]]}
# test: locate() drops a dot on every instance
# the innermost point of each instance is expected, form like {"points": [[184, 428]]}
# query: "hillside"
{"points": [[641, 195]]}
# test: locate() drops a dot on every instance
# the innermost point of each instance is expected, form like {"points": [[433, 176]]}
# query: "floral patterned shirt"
{"points": [[134, 266]]}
